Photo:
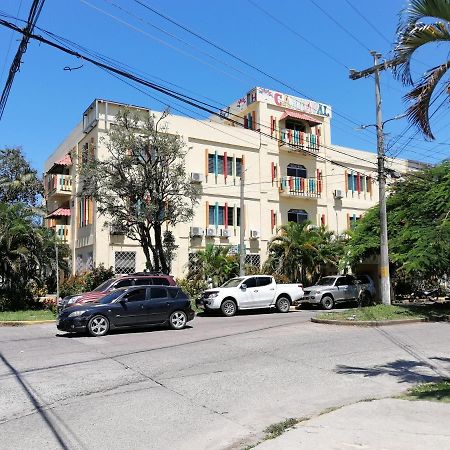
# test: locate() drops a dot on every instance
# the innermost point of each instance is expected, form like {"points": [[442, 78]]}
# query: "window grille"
{"points": [[253, 260], [124, 262]]}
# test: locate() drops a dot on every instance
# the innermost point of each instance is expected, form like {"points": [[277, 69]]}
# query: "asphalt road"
{"points": [[214, 385]]}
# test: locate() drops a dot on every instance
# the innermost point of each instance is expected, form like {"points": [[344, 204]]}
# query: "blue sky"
{"points": [[46, 102]]}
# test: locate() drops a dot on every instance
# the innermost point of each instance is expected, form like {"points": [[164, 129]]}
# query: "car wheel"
{"points": [[283, 305], [228, 308], [178, 320], [327, 302], [98, 326]]}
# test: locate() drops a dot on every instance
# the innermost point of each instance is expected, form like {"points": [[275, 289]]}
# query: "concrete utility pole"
{"points": [[242, 227], [57, 268], [384, 252]]}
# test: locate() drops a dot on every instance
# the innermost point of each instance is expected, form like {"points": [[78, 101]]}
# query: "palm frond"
{"points": [[418, 112], [413, 37]]}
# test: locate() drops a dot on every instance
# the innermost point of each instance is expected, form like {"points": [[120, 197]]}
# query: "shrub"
{"points": [[193, 288], [86, 281]]}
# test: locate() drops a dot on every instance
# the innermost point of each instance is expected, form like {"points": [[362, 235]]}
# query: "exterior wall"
{"points": [[265, 156]]}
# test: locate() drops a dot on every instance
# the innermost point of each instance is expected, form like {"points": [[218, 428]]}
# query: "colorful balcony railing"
{"points": [[302, 187], [297, 140], [59, 184]]}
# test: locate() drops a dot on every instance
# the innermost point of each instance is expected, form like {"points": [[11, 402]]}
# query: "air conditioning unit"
{"points": [[196, 177], [254, 234], [116, 230], [211, 232], [225, 233], [197, 231], [338, 193]]}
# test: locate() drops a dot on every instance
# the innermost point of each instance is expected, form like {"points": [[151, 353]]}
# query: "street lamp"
{"points": [[397, 117]]}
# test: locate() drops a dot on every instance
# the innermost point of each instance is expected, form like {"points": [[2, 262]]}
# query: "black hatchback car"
{"points": [[129, 307]]}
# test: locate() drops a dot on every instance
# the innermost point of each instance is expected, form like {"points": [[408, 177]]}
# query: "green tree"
{"points": [[142, 186], [18, 181], [27, 255], [302, 252], [414, 34], [214, 262], [418, 210]]}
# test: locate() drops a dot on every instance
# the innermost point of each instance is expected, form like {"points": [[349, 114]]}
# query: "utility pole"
{"points": [[57, 268], [242, 227], [384, 252]]}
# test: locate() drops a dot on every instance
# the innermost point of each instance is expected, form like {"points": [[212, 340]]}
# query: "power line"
{"points": [[33, 16], [344, 29], [234, 56]]}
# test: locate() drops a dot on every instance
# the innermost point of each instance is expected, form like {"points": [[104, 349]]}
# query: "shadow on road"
{"points": [[406, 371], [34, 400], [135, 330]]}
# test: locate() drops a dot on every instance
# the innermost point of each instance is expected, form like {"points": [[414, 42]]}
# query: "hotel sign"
{"points": [[259, 94]]}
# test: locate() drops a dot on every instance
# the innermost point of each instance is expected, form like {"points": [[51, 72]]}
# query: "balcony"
{"points": [[300, 187], [62, 232], [57, 184], [297, 141]]}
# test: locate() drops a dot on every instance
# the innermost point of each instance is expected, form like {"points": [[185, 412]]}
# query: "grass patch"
{"points": [[388, 312], [277, 429], [41, 314], [437, 392]]}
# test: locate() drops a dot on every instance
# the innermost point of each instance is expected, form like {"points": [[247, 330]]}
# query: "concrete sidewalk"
{"points": [[388, 424]]}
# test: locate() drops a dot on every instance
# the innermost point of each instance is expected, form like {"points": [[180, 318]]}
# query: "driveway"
{"points": [[214, 385]]}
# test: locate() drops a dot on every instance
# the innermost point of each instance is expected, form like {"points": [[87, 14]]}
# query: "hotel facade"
{"points": [[292, 173]]}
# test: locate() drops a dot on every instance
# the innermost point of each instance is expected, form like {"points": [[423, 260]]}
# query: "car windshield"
{"points": [[111, 297], [326, 281], [104, 286], [234, 282]]}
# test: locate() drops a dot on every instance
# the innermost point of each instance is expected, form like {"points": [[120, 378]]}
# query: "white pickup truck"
{"points": [[251, 292]]}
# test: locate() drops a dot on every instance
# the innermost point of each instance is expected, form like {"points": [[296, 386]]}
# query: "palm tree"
{"points": [[412, 35], [292, 252]]}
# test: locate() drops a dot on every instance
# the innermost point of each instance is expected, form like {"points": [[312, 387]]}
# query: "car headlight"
{"points": [[73, 299], [318, 292], [77, 313], [213, 295]]}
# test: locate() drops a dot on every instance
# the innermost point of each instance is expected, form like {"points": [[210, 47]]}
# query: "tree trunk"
{"points": [[160, 248], [146, 244]]}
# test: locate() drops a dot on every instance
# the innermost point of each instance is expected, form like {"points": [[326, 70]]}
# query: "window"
{"points": [[125, 262], [173, 292], [297, 126], [296, 170], [137, 295], [253, 259], [161, 281], [158, 292], [231, 221], [142, 281], [210, 163], [238, 167], [297, 215], [238, 217], [216, 215], [264, 281], [229, 166], [251, 282], [123, 283], [341, 281]]}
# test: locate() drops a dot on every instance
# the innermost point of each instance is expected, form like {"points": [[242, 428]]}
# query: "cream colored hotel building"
{"points": [[292, 173]]}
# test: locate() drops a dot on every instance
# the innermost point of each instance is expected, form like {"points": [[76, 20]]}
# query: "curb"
{"points": [[368, 323], [18, 323]]}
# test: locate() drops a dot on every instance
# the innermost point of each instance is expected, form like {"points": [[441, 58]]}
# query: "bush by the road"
{"points": [[86, 281]]}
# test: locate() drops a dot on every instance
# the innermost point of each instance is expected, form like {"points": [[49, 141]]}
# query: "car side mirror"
{"points": [[123, 300], [243, 286]]}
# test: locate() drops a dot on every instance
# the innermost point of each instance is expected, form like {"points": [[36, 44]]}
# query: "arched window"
{"points": [[297, 215], [296, 170]]}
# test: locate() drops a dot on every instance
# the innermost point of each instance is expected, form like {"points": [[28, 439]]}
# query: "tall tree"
{"points": [[301, 252], [413, 34], [418, 210], [141, 185], [19, 182]]}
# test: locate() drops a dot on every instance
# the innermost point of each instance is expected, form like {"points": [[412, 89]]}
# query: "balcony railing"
{"points": [[297, 140], [300, 187], [59, 184], [62, 232]]}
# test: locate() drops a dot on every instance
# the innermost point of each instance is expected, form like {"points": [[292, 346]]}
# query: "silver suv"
{"points": [[336, 289]]}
